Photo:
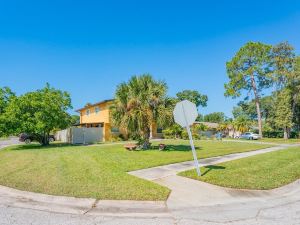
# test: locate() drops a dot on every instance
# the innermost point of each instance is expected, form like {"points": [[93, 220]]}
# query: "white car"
{"points": [[250, 136]]}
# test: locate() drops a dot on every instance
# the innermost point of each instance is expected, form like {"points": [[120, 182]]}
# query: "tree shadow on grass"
{"points": [[37, 146], [182, 148], [212, 167]]}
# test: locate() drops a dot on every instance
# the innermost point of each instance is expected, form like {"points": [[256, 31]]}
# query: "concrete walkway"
{"points": [[159, 172], [191, 202]]}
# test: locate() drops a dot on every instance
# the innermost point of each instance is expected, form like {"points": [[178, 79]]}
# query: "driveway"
{"points": [[191, 202]]}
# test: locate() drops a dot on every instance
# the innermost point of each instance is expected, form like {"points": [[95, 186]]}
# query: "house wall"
{"points": [[101, 117]]}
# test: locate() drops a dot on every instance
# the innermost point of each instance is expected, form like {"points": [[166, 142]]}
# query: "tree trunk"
{"points": [[146, 139], [257, 103], [285, 133], [45, 140]]}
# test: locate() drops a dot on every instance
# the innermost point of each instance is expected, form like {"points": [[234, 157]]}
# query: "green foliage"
{"points": [[138, 104], [197, 128], [195, 135], [253, 59], [6, 95], [250, 70], [279, 134], [193, 96], [38, 113], [200, 118], [248, 108], [283, 113], [173, 131], [283, 61], [242, 124], [75, 119], [215, 117]]}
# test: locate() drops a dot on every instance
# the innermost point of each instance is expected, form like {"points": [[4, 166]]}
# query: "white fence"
{"points": [[80, 135]]}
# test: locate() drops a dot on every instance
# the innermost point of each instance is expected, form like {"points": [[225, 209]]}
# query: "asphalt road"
{"points": [[8, 142]]}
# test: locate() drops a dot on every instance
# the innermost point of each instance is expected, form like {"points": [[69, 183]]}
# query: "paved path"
{"points": [[172, 169], [191, 202]]}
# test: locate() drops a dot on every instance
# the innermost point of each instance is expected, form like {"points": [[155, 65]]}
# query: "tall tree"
{"points": [[296, 97], [283, 111], [287, 80], [6, 95], [38, 113], [139, 103], [215, 117], [249, 108], [193, 96], [249, 70]]}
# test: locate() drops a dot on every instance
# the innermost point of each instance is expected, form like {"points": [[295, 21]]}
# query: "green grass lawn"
{"points": [[266, 171], [281, 140], [99, 171], [271, 140]]}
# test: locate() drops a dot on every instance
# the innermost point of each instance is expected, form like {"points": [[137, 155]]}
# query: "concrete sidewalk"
{"points": [[159, 172]]}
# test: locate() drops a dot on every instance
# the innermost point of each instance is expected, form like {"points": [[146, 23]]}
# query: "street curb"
{"points": [[83, 206]]}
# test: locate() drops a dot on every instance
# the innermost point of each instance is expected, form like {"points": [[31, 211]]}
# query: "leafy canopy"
{"points": [[215, 117], [253, 59], [193, 96], [39, 112]]}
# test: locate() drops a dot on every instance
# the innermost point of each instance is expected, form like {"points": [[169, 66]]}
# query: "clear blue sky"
{"points": [[88, 47]]}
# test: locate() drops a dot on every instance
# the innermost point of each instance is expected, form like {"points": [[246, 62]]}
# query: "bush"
{"points": [[116, 138], [168, 134], [279, 134], [185, 136], [173, 132]]}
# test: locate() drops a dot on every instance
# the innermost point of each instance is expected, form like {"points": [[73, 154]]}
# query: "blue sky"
{"points": [[88, 47]]}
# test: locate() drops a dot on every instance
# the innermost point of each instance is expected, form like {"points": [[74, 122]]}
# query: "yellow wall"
{"points": [[101, 117]]}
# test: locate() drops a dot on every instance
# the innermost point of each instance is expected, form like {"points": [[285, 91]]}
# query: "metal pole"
{"points": [[194, 151], [192, 144]]}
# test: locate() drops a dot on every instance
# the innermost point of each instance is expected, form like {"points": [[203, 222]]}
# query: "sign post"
{"points": [[185, 114]]}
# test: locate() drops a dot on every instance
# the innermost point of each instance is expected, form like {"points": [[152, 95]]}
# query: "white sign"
{"points": [[185, 114]]}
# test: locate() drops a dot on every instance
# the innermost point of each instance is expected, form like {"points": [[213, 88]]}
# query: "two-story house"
{"points": [[98, 115]]}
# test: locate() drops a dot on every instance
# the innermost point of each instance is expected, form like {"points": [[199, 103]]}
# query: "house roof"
{"points": [[95, 104], [209, 124]]}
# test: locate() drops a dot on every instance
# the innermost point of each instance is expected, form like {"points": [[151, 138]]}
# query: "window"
{"points": [[115, 130], [159, 130], [87, 112], [97, 110]]}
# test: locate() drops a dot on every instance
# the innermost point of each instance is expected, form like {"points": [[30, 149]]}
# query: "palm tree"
{"points": [[242, 124], [225, 127], [140, 103]]}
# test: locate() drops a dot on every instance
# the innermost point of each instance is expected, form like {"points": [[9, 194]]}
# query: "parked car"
{"points": [[250, 136], [28, 138]]}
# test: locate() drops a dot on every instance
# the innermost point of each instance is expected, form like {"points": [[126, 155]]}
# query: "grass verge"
{"points": [[99, 171]]}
